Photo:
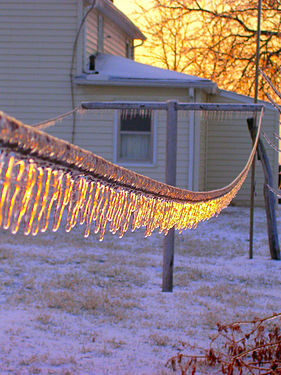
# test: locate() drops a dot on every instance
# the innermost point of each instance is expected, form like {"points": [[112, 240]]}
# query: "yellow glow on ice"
{"points": [[63, 179]]}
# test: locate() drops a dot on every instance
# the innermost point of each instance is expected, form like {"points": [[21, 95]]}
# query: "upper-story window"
{"points": [[135, 138]]}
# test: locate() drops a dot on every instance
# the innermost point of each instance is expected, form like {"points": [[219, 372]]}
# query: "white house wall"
{"points": [[114, 39], [36, 41], [95, 129], [114, 42], [228, 149], [91, 35]]}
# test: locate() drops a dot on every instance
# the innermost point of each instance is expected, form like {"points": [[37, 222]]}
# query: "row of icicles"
{"points": [[38, 195]]}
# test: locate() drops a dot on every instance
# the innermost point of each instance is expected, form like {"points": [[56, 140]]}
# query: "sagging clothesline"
{"points": [[42, 177]]}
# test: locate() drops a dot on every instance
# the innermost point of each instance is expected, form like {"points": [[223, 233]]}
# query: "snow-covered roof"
{"points": [[120, 71], [108, 9]]}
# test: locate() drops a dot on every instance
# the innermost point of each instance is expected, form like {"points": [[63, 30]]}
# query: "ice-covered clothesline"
{"points": [[208, 111], [42, 176]]}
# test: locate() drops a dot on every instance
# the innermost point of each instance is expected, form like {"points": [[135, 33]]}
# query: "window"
{"points": [[135, 137]]}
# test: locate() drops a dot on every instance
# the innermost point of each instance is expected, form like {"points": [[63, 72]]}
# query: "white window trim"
{"points": [[154, 144]]}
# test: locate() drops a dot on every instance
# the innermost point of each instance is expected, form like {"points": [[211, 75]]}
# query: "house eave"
{"points": [[210, 88]]}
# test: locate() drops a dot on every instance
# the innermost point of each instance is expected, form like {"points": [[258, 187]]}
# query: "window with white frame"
{"points": [[135, 137]]}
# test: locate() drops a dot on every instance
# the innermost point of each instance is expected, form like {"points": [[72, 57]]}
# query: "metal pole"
{"points": [[252, 197], [171, 166]]}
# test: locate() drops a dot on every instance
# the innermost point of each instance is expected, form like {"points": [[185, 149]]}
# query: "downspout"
{"points": [[191, 142], [134, 47]]}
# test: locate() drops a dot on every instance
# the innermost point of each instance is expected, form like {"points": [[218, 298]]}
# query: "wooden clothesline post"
{"points": [[269, 198], [252, 191], [171, 172], [171, 107]]}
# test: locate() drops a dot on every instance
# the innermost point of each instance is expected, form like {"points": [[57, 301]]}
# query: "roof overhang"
{"points": [[84, 79], [119, 71], [108, 9]]}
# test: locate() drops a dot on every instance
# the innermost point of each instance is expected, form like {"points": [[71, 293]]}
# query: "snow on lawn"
{"points": [[71, 305]]}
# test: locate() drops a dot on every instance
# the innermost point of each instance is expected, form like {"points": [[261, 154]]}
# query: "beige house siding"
{"points": [[36, 40], [114, 39], [228, 149], [91, 35], [96, 129]]}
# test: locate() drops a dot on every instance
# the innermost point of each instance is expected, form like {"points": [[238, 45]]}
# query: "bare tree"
{"points": [[215, 39], [168, 37]]}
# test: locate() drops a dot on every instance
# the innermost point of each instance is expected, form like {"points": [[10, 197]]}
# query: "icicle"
{"points": [[85, 207], [43, 201], [91, 210], [112, 204], [33, 211], [81, 191], [6, 185], [138, 214], [114, 226], [11, 203], [54, 196], [126, 218], [104, 217], [122, 211], [63, 202], [101, 209], [84, 191], [150, 220], [73, 204], [31, 179]]}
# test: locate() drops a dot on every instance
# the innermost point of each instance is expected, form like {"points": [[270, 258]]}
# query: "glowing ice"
{"points": [[91, 191]]}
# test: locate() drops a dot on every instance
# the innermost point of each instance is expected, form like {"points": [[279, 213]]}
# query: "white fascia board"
{"points": [[209, 88]]}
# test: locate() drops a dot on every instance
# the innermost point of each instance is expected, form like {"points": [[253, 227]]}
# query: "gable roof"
{"points": [[120, 71], [109, 10]]}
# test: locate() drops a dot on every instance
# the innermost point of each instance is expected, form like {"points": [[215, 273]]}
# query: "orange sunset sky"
{"points": [[128, 6]]}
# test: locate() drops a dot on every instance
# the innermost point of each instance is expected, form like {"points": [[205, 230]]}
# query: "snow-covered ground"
{"points": [[70, 305]]}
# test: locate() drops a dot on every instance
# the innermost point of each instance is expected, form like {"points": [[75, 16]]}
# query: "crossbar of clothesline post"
{"points": [[179, 106]]}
